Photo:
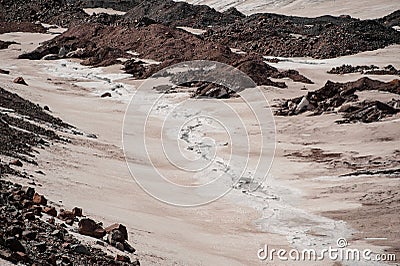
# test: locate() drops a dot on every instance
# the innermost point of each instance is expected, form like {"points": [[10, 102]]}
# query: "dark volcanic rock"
{"points": [[334, 95], [267, 34], [346, 69], [368, 112], [50, 211], [210, 90], [6, 72], [77, 212], [122, 258], [21, 27], [17, 163], [12, 101], [115, 236], [101, 45], [14, 244], [368, 70], [119, 227], [4, 45], [66, 215], [60, 12], [39, 243], [23, 131], [173, 13], [39, 199], [20, 80], [293, 75], [391, 20], [323, 37], [91, 228], [25, 239]]}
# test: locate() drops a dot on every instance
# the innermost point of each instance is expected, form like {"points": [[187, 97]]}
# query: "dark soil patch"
{"points": [[21, 27]]}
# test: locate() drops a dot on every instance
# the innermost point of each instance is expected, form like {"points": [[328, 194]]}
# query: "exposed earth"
{"points": [[70, 68]]}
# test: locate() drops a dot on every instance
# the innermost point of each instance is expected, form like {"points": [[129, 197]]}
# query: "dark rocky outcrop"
{"points": [[100, 45], [368, 70], [323, 37], [27, 239], [174, 14], [12, 26], [4, 45], [60, 12], [24, 126], [334, 95]]}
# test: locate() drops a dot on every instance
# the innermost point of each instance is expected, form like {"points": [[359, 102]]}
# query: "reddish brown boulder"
{"points": [[19, 256], [66, 215], [91, 228], [6, 72], [50, 211], [122, 258], [16, 163], [39, 199], [20, 80], [77, 212], [119, 227]]}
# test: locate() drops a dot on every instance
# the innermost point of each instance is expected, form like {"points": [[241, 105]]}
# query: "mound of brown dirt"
{"points": [[101, 45], [266, 34], [21, 27]]}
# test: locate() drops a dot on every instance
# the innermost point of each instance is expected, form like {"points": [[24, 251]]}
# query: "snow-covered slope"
{"points": [[311, 8]]}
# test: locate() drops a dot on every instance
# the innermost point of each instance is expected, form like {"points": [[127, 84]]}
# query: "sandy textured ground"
{"points": [[303, 200], [308, 8]]}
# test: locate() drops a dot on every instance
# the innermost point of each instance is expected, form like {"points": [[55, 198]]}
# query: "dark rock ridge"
{"points": [[334, 95], [391, 20], [266, 34], [101, 45], [323, 37], [24, 126], [58, 12], [26, 108], [368, 70], [21, 27], [174, 14], [4, 45]]}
